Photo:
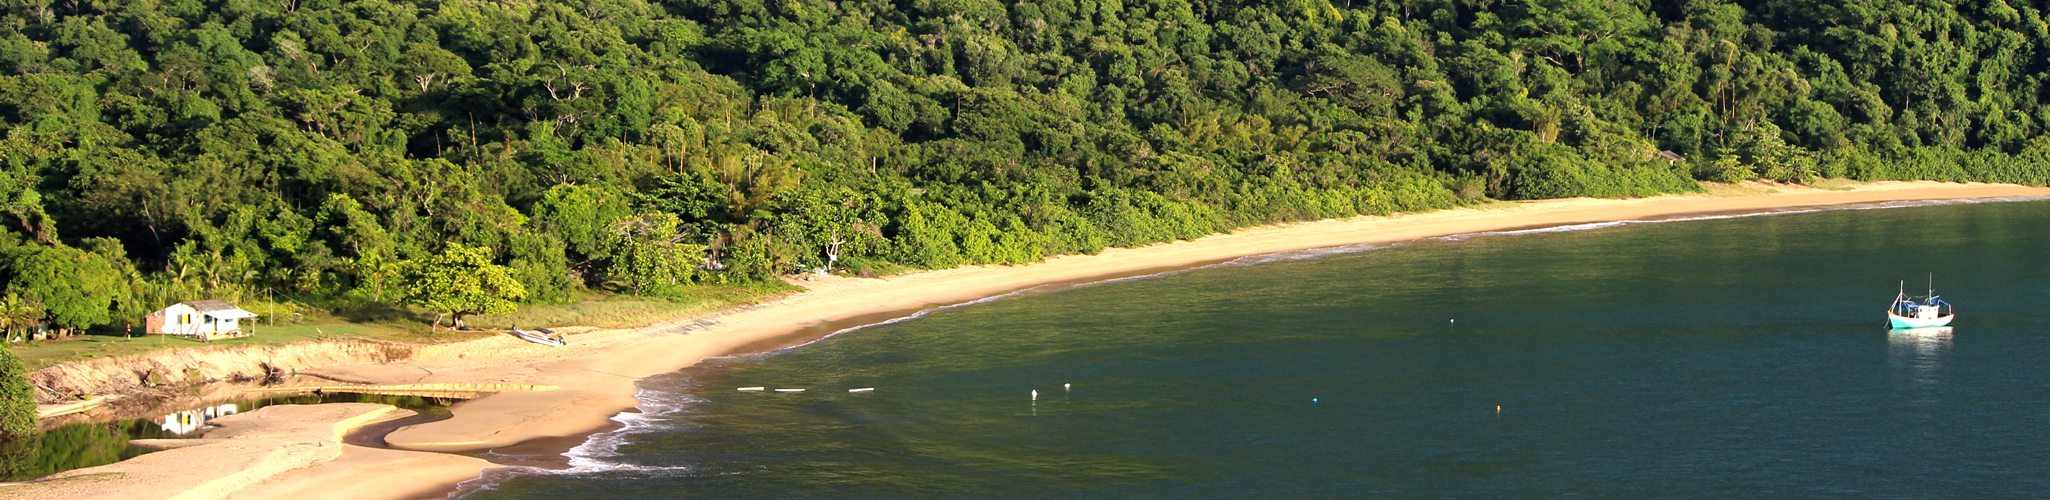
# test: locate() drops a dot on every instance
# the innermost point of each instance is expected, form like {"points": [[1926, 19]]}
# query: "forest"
{"points": [[452, 153]]}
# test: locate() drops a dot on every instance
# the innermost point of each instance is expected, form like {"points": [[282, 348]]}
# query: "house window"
{"points": [[184, 319]]}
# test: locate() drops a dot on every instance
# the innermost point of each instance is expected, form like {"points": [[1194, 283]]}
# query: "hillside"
{"points": [[320, 149]]}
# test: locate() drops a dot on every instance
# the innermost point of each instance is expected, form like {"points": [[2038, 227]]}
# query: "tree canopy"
{"points": [[462, 281], [152, 152]]}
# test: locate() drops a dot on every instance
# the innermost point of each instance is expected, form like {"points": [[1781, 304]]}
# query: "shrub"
{"points": [[17, 398]]}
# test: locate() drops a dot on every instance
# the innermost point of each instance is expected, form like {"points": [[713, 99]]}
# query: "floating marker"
{"points": [[1498, 409], [1035, 394], [1067, 387], [789, 390], [864, 389], [751, 388], [1313, 400]]}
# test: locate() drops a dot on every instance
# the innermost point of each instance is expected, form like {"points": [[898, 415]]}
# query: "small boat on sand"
{"points": [[1919, 311], [539, 338]]}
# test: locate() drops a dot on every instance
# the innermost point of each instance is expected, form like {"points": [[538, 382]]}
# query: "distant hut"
{"points": [[207, 319]]}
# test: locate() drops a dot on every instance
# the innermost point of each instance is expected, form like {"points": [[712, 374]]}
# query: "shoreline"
{"points": [[597, 375]]}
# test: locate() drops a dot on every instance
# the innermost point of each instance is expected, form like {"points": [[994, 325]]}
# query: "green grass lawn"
{"points": [[411, 325]]}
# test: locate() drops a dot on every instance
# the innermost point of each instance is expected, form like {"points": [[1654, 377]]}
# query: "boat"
{"points": [[538, 338], [1921, 311]]}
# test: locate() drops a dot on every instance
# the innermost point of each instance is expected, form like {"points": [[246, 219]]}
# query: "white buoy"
{"points": [[864, 389], [1067, 387], [789, 390], [751, 388], [1035, 394], [1313, 400]]}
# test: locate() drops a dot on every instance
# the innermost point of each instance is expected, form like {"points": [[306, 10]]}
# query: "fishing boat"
{"points": [[1921, 311], [538, 338]]}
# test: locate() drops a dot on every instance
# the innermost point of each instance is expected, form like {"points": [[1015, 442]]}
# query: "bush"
{"points": [[17, 399]]}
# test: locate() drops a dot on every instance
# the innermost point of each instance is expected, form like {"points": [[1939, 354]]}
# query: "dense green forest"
{"points": [[347, 152]]}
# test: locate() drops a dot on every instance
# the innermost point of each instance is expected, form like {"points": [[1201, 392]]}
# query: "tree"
{"points": [[77, 289], [376, 270], [649, 253], [17, 314], [462, 281], [17, 398]]}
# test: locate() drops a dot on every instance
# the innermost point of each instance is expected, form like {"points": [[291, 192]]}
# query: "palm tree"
{"points": [[16, 313]]}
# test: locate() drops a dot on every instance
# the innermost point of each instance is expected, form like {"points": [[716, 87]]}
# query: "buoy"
{"points": [[1035, 394], [864, 389], [1498, 409], [751, 388], [1067, 387], [789, 390], [1313, 400]]}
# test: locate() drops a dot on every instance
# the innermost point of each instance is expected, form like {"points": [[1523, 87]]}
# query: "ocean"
{"points": [[1735, 355]]}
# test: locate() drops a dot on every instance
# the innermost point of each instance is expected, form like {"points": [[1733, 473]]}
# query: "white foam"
{"points": [[595, 454]]}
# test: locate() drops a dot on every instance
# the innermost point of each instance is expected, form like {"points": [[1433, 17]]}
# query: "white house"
{"points": [[212, 318], [189, 421]]}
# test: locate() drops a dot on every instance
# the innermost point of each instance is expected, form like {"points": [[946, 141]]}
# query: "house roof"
{"points": [[209, 305], [231, 314]]}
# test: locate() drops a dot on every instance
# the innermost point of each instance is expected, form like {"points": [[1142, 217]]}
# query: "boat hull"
{"points": [[538, 339], [1900, 322]]}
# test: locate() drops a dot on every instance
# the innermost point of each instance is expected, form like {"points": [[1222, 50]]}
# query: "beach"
{"points": [[594, 378]]}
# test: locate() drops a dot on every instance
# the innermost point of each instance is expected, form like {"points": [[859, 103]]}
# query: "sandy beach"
{"points": [[594, 378]]}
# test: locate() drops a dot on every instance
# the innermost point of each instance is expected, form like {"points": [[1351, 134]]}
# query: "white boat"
{"points": [[1923, 311], [539, 338]]}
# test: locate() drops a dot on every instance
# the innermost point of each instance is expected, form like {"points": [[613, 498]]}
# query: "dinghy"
{"points": [[1921, 311], [538, 338]]}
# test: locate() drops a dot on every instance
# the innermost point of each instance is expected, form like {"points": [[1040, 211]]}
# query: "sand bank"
{"points": [[596, 373], [290, 451]]}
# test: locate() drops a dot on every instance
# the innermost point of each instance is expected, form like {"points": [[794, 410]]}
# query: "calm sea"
{"points": [[1740, 357]]}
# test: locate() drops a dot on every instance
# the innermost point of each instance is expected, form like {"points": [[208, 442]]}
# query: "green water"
{"points": [[1731, 358]]}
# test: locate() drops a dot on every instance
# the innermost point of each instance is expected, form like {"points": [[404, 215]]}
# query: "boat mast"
{"points": [[1902, 296]]}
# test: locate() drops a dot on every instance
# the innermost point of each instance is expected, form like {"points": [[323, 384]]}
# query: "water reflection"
{"points": [[191, 421], [1920, 353]]}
